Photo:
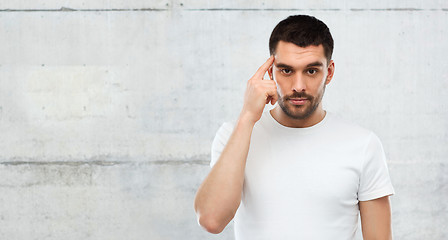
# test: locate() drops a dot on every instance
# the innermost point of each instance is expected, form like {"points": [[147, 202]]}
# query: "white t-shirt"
{"points": [[305, 183]]}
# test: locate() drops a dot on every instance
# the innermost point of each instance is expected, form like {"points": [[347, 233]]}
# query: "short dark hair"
{"points": [[303, 31]]}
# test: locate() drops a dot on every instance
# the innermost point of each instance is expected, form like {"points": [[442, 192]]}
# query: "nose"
{"points": [[299, 84]]}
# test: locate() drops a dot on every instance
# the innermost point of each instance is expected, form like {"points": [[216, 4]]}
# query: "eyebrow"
{"points": [[313, 64]]}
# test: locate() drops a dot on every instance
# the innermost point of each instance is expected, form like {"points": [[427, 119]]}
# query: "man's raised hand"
{"points": [[259, 92]]}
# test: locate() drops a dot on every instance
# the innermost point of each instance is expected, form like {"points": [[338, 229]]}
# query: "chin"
{"points": [[303, 113]]}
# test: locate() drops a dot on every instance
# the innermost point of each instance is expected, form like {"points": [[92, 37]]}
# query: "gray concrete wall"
{"points": [[108, 108]]}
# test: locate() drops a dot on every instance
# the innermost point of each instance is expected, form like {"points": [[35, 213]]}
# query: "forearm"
{"points": [[219, 195], [376, 219]]}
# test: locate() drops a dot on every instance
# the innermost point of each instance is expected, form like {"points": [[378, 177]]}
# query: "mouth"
{"points": [[298, 101]]}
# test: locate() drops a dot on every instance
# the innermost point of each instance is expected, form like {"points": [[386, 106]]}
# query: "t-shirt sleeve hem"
{"points": [[386, 191], [220, 141]]}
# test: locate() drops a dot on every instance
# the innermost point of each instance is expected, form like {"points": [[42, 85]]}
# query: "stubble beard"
{"points": [[308, 108]]}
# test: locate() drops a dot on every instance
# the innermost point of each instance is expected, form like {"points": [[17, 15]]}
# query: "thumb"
{"points": [[268, 99]]}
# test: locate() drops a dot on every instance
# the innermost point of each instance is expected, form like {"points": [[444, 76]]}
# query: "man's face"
{"points": [[301, 75]]}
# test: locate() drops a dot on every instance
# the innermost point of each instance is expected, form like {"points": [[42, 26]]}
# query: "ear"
{"points": [[330, 70]]}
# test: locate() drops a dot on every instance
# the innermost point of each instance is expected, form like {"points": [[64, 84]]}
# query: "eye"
{"points": [[311, 71], [286, 71]]}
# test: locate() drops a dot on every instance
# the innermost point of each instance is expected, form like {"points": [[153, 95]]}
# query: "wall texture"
{"points": [[108, 108]]}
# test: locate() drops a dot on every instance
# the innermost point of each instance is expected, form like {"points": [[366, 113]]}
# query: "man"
{"points": [[296, 171]]}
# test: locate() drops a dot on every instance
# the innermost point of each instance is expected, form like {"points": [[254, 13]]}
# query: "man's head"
{"points": [[302, 47], [303, 31]]}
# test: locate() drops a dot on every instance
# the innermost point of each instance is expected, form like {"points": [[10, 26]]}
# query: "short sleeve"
{"points": [[375, 180], [220, 141]]}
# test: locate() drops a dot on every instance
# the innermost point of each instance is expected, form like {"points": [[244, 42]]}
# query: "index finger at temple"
{"points": [[262, 70]]}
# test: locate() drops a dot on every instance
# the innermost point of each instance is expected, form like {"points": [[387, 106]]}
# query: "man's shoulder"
{"points": [[226, 128], [345, 126]]}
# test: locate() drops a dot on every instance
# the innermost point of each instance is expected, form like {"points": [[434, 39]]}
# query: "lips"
{"points": [[298, 101]]}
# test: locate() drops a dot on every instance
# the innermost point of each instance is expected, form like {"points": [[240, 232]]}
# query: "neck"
{"points": [[280, 116]]}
